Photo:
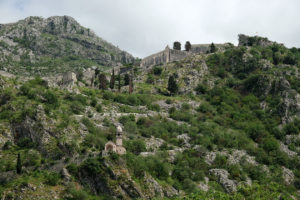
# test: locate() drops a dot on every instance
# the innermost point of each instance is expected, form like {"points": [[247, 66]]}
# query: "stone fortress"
{"points": [[171, 55], [115, 147]]}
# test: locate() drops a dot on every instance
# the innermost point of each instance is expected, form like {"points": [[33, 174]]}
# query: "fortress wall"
{"points": [[171, 55], [156, 59], [200, 48], [176, 55]]}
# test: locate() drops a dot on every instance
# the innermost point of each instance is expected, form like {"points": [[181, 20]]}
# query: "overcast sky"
{"points": [[143, 27]]}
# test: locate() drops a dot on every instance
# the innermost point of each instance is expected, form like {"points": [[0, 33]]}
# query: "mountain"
{"points": [[38, 46], [220, 124]]}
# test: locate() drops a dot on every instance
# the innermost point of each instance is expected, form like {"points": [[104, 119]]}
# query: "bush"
{"points": [[51, 98], [291, 129], [108, 95], [72, 168], [157, 70], [99, 108], [256, 131], [76, 107], [52, 178], [133, 100], [154, 107], [135, 146], [201, 89], [94, 102], [270, 144], [205, 108], [150, 79], [297, 183], [124, 119]]}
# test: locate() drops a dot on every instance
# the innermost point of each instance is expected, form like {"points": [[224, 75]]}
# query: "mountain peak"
{"points": [[53, 40]]}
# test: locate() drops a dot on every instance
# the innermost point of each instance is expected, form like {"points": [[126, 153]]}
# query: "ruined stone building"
{"points": [[115, 147]]}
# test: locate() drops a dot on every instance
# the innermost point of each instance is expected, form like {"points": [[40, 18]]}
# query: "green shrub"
{"points": [[201, 89], [99, 108], [52, 178], [108, 95], [93, 102], [76, 107], [72, 168], [124, 119], [290, 129], [154, 107], [133, 100], [135, 146], [297, 183], [270, 144], [157, 70], [150, 79]]}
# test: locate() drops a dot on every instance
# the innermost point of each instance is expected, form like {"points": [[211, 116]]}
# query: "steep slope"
{"points": [[57, 44], [221, 125]]}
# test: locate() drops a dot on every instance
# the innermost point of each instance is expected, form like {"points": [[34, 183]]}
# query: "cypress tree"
{"points": [[119, 79], [112, 80], [212, 48], [19, 164], [172, 85], [188, 46], [126, 79], [103, 82], [130, 85], [177, 45]]}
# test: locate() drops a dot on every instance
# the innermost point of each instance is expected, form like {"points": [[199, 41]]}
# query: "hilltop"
{"points": [[38, 46]]}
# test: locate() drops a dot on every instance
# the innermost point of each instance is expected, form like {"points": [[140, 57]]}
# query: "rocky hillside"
{"points": [[221, 125], [37, 46]]}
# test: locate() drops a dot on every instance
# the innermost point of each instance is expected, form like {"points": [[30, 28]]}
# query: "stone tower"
{"points": [[119, 141]]}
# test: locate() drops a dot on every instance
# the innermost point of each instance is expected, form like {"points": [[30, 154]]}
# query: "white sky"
{"points": [[143, 27]]}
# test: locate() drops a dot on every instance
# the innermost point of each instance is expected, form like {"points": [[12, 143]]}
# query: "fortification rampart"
{"points": [[171, 55], [156, 59]]}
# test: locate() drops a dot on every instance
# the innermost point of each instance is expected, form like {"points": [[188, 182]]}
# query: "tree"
{"points": [[119, 79], [172, 85], [126, 79], [19, 164], [188, 46], [177, 45], [112, 80], [212, 48], [103, 81], [130, 85]]}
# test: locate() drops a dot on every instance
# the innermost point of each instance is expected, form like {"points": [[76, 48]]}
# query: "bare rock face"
{"points": [[222, 175], [67, 177], [152, 144], [288, 176], [286, 150], [185, 138], [169, 191], [154, 189]]}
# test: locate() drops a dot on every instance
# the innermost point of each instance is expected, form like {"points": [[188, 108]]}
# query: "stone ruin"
{"points": [[68, 79], [115, 147]]}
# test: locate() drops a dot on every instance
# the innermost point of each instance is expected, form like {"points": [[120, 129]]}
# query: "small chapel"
{"points": [[115, 147]]}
